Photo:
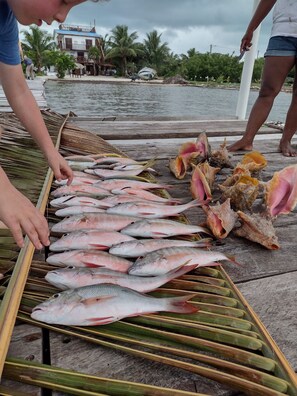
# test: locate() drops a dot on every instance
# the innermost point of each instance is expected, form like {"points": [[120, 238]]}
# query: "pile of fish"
{"points": [[239, 192], [117, 239]]}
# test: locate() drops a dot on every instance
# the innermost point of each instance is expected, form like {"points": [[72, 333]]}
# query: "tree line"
{"points": [[123, 49]]}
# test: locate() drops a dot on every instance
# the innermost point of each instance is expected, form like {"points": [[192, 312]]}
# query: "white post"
{"points": [[247, 73]]}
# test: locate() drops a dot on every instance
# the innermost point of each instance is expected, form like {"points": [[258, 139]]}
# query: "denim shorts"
{"points": [[282, 46]]}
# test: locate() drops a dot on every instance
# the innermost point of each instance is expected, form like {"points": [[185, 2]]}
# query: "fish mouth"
{"points": [[37, 309]]}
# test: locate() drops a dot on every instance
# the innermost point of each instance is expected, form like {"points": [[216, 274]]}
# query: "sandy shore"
{"points": [[103, 79]]}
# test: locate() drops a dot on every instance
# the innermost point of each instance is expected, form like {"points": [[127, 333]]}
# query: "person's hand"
{"points": [[60, 167], [21, 216], [246, 41]]}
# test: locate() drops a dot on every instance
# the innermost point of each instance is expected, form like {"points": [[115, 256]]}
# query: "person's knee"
{"points": [[268, 91]]}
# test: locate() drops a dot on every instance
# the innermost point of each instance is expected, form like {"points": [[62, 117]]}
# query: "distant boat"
{"points": [[147, 73]]}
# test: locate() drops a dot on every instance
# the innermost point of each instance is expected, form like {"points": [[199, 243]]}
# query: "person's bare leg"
{"points": [[290, 125], [276, 69]]}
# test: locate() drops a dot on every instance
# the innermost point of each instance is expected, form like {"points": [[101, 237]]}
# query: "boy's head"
{"points": [[30, 12]]}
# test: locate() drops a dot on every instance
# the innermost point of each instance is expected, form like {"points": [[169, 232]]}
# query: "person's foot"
{"points": [[240, 145], [286, 149]]}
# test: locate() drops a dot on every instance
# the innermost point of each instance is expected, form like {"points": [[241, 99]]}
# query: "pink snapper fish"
{"points": [[101, 304]]}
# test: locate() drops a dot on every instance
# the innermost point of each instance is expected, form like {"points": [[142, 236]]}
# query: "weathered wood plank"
{"points": [[113, 130], [26, 343], [274, 301]]}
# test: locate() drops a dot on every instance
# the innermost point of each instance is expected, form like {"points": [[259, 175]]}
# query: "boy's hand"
{"points": [[20, 215], [60, 167]]}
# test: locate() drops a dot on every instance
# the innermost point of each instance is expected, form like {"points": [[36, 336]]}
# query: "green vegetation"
{"points": [[128, 55]]}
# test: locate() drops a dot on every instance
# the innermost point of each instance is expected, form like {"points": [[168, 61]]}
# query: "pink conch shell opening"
{"points": [[199, 187], [220, 219], [281, 191]]}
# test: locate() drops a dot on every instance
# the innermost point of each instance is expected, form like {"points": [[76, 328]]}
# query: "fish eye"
{"points": [[56, 295], [70, 267]]}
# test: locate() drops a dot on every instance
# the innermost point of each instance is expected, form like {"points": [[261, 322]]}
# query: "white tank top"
{"points": [[285, 18]]}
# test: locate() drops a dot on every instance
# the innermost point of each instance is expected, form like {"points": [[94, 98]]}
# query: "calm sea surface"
{"points": [[133, 99]]}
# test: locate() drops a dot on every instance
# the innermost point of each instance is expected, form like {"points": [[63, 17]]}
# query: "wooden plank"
{"points": [[113, 130], [274, 300], [26, 343]]}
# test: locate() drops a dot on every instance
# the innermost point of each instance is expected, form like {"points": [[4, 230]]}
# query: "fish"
{"points": [[90, 239], [161, 228], [71, 278], [77, 180], [117, 184], [124, 171], [119, 199], [145, 195], [77, 210], [89, 258], [117, 160], [141, 247], [151, 210], [88, 221], [81, 165], [72, 200], [102, 304], [164, 260], [80, 189]]}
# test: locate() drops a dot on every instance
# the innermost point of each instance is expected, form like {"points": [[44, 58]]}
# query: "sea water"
{"points": [[152, 100]]}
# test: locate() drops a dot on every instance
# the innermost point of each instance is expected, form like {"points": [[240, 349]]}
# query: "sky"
{"points": [[206, 25]]}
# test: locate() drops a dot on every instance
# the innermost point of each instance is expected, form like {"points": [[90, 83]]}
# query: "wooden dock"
{"points": [[37, 89], [266, 278]]}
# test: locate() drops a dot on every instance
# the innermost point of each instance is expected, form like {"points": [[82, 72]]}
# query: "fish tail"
{"points": [[181, 305], [232, 259]]}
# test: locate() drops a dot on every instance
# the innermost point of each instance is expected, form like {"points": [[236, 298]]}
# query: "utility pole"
{"points": [[210, 48]]}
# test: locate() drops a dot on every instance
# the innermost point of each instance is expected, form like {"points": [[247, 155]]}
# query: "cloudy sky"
{"points": [[184, 24]]}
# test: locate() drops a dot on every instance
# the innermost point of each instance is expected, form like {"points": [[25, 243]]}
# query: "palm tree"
{"points": [[37, 42], [154, 51], [123, 46], [94, 54]]}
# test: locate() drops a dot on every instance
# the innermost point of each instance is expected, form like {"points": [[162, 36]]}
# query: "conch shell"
{"points": [[198, 151], [220, 219], [199, 186], [221, 157], [258, 229], [178, 167], [281, 191], [243, 193], [254, 161], [238, 171], [209, 173]]}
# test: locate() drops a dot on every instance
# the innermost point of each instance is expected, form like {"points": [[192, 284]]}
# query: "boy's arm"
{"points": [[25, 107], [261, 12], [20, 215]]}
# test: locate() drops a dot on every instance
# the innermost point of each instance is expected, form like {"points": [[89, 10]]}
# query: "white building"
{"points": [[76, 41]]}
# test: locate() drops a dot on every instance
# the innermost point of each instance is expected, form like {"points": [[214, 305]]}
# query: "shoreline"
{"points": [[123, 80]]}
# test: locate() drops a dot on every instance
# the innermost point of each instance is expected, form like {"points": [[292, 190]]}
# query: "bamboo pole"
{"points": [[12, 298]]}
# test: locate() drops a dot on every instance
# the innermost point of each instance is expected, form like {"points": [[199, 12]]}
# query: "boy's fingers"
{"points": [[17, 235]]}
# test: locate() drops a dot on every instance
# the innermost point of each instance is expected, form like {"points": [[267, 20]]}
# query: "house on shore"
{"points": [[76, 41]]}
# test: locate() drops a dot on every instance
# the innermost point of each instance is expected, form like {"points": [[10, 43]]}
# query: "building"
{"points": [[76, 41]]}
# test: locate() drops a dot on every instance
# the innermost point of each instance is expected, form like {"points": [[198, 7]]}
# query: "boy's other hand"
{"points": [[21, 216]]}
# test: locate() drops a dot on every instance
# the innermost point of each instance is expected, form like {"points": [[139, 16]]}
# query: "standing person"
{"points": [[29, 68], [16, 211], [280, 58]]}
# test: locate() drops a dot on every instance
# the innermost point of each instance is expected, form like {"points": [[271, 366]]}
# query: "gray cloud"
{"points": [[184, 23]]}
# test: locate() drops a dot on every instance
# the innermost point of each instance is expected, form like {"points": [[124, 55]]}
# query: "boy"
{"points": [[16, 211]]}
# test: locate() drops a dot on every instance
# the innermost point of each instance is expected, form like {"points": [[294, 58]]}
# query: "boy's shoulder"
{"points": [[9, 35]]}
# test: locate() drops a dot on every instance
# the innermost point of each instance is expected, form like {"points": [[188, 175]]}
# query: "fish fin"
{"points": [[146, 213], [93, 300], [182, 269], [158, 234], [232, 259], [90, 265], [101, 321], [99, 246], [180, 304]]}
